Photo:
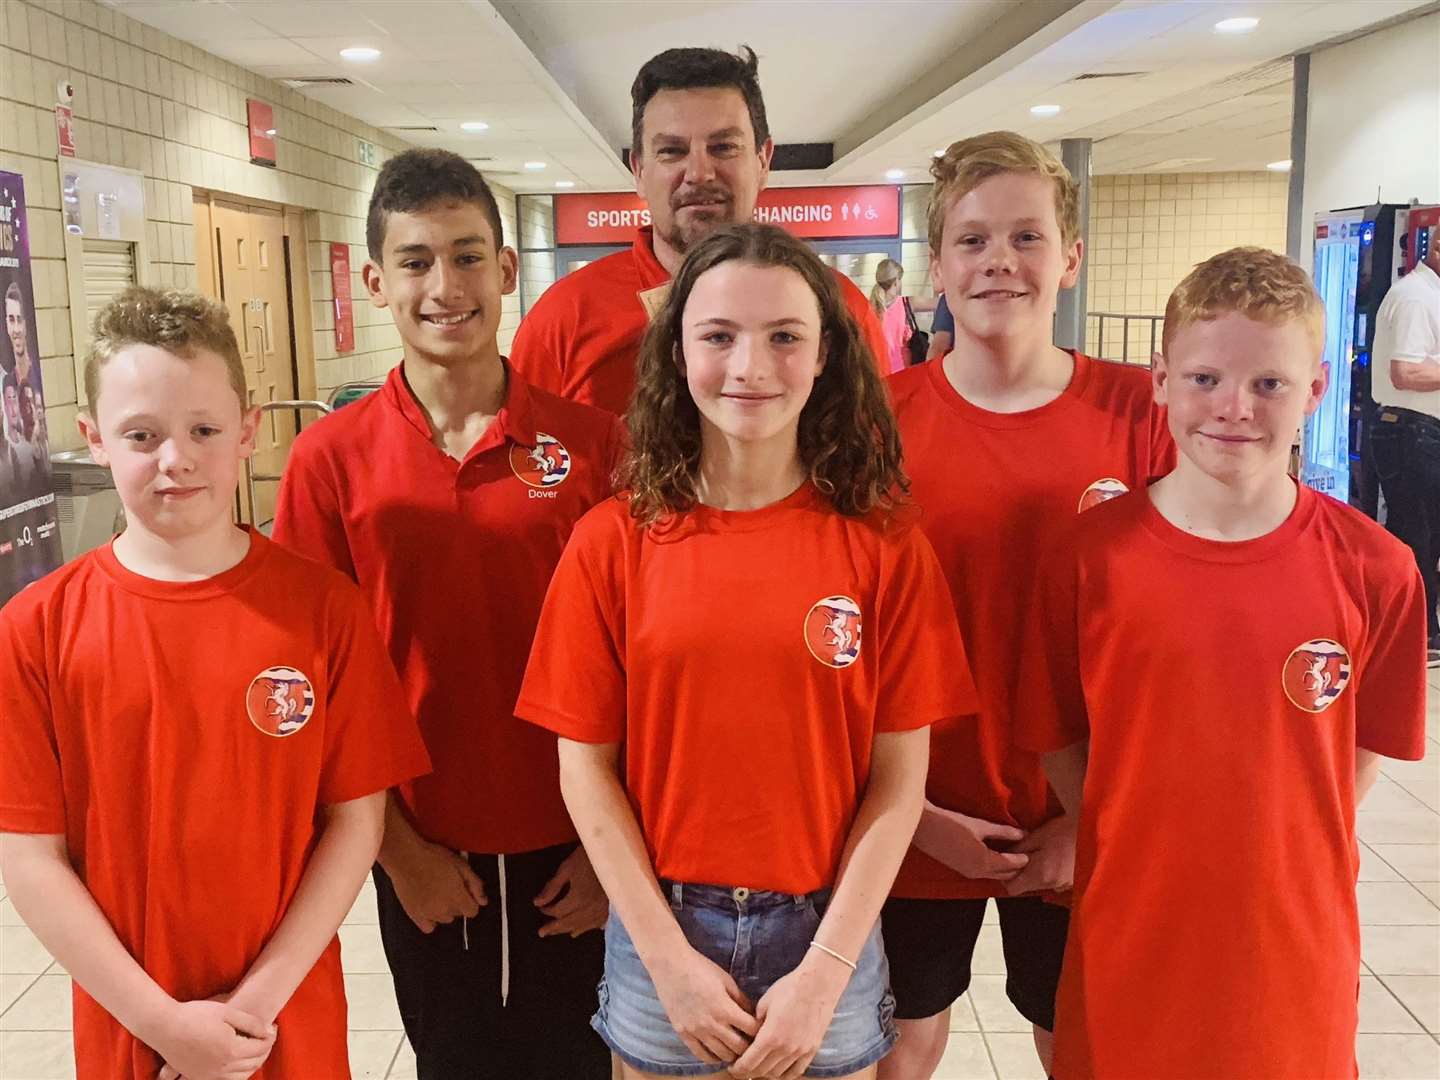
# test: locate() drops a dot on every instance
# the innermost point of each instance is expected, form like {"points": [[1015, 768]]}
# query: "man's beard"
{"points": [[683, 237]]}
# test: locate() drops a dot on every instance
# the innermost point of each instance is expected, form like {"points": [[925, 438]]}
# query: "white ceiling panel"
{"points": [[819, 61], [889, 81], [192, 20], [277, 53], [300, 20]]}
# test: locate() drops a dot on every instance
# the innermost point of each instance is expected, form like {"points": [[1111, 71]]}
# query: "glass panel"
{"points": [[915, 211], [1325, 442], [859, 268], [537, 221]]}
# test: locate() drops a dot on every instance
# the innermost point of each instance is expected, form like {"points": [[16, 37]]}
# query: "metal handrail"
{"points": [[1156, 324], [251, 476]]}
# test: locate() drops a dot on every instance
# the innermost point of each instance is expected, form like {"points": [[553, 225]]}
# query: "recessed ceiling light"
{"points": [[361, 54], [534, 166], [1241, 25], [1279, 166], [1044, 110], [564, 183], [894, 174], [474, 125]]}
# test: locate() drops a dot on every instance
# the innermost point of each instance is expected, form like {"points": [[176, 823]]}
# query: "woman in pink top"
{"points": [[896, 312]]}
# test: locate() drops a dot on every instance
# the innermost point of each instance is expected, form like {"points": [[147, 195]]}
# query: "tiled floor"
{"points": [[1399, 996]]}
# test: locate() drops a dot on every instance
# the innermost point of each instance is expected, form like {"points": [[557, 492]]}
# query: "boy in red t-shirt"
{"points": [[448, 496], [154, 693], [1214, 667], [1006, 439]]}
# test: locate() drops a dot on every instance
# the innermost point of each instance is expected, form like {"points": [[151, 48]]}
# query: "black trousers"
{"points": [[448, 983], [1406, 449]]}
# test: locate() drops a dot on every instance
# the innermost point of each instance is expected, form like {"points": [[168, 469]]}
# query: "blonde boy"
{"points": [[196, 731], [1250, 648], [1006, 440]]}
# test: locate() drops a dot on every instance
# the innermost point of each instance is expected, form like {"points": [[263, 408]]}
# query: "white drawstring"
{"points": [[465, 920], [504, 939]]}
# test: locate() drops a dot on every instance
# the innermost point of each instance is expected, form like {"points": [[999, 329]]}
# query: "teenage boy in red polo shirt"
{"points": [[197, 729], [1006, 439], [1213, 670], [700, 151], [448, 495]]}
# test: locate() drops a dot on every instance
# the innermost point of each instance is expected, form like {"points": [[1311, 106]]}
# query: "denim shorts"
{"points": [[757, 937]]}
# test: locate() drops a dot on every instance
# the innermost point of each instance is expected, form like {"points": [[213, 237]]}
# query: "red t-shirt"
{"points": [[1224, 688], [455, 558], [747, 660], [581, 339], [182, 736], [991, 487]]}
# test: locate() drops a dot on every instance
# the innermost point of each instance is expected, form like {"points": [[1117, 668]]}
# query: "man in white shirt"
{"points": [[1405, 436]]}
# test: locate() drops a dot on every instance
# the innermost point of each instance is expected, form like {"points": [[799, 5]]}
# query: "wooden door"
{"points": [[248, 251]]}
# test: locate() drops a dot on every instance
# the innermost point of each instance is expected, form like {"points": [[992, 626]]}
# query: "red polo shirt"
{"points": [[455, 557], [582, 337]]}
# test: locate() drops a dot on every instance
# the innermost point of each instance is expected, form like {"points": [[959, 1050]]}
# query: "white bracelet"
{"points": [[831, 952]]}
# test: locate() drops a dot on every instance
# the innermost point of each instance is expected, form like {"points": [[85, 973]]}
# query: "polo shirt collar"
{"points": [[516, 420], [397, 395], [651, 272], [1427, 275]]}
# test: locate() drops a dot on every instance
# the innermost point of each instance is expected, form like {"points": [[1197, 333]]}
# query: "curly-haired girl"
{"points": [[768, 637]]}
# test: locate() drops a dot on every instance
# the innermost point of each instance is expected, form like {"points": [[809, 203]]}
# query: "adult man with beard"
{"points": [[700, 152]]}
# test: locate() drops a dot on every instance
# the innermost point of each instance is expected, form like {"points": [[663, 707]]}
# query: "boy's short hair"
{"points": [[178, 322], [698, 69], [13, 293], [419, 179], [1255, 282], [967, 164]]}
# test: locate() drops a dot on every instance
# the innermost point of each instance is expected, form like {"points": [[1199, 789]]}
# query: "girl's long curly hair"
{"points": [[848, 440]]}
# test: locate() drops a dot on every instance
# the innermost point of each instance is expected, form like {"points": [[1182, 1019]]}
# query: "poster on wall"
{"points": [[65, 129], [344, 298], [29, 525]]}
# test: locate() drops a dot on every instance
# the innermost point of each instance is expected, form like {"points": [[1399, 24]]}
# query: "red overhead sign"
{"points": [[599, 219], [816, 213]]}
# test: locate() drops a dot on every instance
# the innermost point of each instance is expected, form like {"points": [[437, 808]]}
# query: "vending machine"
{"points": [[1358, 252]]}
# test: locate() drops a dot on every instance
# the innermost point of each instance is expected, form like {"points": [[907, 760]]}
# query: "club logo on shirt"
{"points": [[544, 467], [1102, 491], [832, 631], [280, 701], [1316, 673]]}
